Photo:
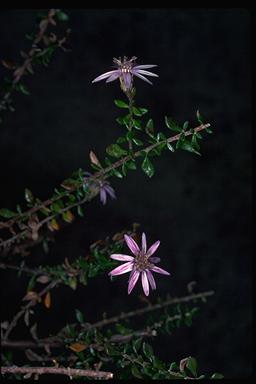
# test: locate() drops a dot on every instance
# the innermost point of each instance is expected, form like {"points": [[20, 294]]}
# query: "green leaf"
{"points": [[160, 136], [199, 117], [147, 167], [137, 124], [121, 104], [62, 16], [29, 196], [124, 169], [148, 351], [121, 140], [73, 283], [135, 372], [136, 344], [131, 164], [150, 126], [117, 173], [185, 126], [129, 135], [79, 316], [187, 146], [217, 375], [170, 147], [137, 141], [191, 365], [170, 123], [116, 151], [23, 89], [31, 283], [80, 211], [139, 111], [173, 367], [7, 213]]}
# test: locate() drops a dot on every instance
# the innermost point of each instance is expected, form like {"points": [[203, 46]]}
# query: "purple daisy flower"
{"points": [[125, 71], [105, 188], [142, 263]]}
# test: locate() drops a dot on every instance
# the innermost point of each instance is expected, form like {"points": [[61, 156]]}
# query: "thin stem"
{"points": [[151, 308], [71, 372]]}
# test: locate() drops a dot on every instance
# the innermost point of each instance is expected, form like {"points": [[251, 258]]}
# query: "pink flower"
{"points": [[125, 70], [142, 263]]}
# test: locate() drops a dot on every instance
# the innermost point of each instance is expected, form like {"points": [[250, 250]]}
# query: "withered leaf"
{"points": [[47, 300], [78, 347], [94, 159], [31, 295], [43, 279]]}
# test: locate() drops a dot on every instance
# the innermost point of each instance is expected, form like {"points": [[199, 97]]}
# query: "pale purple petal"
{"points": [[133, 280], [132, 245], [104, 76], [142, 77], [144, 66], [110, 191], [142, 72], [160, 270], [103, 196], [127, 80], [154, 260], [113, 77], [151, 279], [117, 256], [144, 281], [126, 267], [143, 243], [153, 248]]}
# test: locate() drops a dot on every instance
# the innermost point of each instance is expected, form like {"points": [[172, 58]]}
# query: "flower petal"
{"points": [[117, 256], [124, 268], [127, 80], [143, 243], [144, 66], [151, 279], [103, 196], [160, 270], [114, 76], [153, 248], [110, 191], [144, 281], [141, 77], [133, 280], [142, 72], [154, 260], [104, 76], [132, 245]]}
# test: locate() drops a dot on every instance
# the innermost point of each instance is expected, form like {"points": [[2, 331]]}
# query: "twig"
{"points": [[98, 174], [71, 372], [141, 311], [31, 303]]}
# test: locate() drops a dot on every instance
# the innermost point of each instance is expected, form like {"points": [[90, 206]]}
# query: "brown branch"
{"points": [[31, 55], [71, 372], [99, 174], [154, 307], [30, 304]]}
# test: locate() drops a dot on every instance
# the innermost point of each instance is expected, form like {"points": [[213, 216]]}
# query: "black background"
{"points": [[199, 207]]}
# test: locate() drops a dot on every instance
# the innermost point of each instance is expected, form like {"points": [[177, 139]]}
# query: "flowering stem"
{"points": [[104, 172]]}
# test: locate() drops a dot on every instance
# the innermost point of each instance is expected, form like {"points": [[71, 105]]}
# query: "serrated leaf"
{"points": [[185, 126], [139, 111], [131, 164], [147, 167], [137, 141], [148, 350], [116, 151], [187, 146], [121, 104], [7, 213], [170, 147], [137, 124], [47, 300], [136, 345], [192, 365], [29, 196], [170, 123], [117, 173], [135, 372], [80, 211], [78, 347], [79, 316]]}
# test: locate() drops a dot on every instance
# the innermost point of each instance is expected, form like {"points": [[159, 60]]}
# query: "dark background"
{"points": [[199, 207]]}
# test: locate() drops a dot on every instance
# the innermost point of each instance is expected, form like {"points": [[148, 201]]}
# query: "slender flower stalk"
{"points": [[141, 264], [125, 70]]}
